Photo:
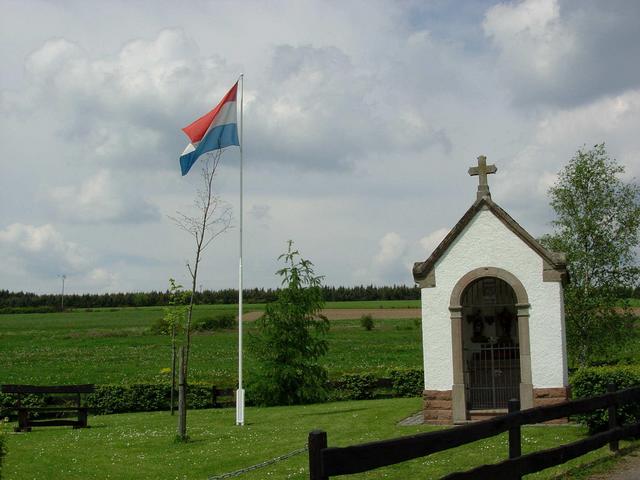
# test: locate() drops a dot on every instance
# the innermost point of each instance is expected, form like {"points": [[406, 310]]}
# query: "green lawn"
{"points": [[114, 346], [140, 446]]}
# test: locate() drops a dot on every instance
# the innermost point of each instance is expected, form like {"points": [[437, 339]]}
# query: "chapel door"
{"points": [[490, 344]]}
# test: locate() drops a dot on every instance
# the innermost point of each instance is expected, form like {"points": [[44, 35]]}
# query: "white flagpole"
{"points": [[240, 391]]}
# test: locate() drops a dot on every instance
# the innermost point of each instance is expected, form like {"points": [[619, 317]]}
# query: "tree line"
{"points": [[18, 300]]}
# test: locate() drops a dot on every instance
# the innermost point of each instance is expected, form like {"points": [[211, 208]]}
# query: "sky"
{"points": [[361, 119]]}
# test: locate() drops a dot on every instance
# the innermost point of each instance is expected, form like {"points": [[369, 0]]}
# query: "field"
{"points": [[140, 446], [115, 346]]}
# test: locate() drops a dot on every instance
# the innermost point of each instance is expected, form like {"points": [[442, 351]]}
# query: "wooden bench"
{"points": [[25, 422], [223, 397]]}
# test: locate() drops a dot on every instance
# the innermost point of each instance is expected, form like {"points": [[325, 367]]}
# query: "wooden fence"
{"points": [[325, 462]]}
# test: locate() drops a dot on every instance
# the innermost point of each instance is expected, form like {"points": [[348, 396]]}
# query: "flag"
{"points": [[213, 131]]}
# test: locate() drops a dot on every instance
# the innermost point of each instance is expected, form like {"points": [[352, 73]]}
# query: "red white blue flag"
{"points": [[213, 131]]}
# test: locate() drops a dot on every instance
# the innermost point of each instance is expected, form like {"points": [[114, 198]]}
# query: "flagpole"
{"points": [[240, 391]]}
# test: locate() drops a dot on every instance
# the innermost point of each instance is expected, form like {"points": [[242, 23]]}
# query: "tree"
{"points": [[597, 225], [291, 339], [211, 218], [173, 320]]}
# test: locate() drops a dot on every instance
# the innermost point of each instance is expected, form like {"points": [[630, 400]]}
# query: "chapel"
{"points": [[492, 316]]}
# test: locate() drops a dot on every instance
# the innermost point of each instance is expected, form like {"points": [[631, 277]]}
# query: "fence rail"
{"points": [[325, 462]]}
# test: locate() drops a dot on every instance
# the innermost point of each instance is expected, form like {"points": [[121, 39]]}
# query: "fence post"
{"points": [[317, 441], [515, 447], [613, 418]]}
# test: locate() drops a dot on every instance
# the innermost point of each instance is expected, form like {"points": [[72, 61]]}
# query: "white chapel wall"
{"points": [[487, 242]]}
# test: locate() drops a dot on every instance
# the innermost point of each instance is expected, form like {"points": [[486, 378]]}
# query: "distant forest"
{"points": [[31, 302]]}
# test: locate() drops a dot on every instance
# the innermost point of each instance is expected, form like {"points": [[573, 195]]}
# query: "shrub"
{"points": [[407, 383], [144, 398], [7, 402], [160, 327], [14, 310], [591, 381], [3, 446], [366, 322], [355, 386], [290, 339], [222, 321]]}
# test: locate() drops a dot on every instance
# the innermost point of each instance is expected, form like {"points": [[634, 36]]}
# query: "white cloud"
{"points": [[361, 121], [391, 248], [42, 253], [530, 36], [431, 241], [42, 248], [558, 52], [99, 199]]}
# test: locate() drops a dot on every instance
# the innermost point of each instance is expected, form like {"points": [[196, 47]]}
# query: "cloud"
{"points": [[117, 109], [42, 253], [392, 248], [431, 241], [101, 200], [42, 249], [565, 53], [312, 115]]}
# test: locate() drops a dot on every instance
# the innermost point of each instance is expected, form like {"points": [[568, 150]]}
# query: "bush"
{"points": [[3, 446], [143, 398], [355, 386], [160, 327], [14, 310], [592, 381], [290, 339], [223, 321], [7, 401], [366, 322], [407, 383]]}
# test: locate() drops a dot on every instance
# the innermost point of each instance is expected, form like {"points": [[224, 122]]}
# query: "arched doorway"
{"points": [[490, 344], [460, 400]]}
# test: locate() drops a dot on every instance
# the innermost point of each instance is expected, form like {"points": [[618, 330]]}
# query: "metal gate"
{"points": [[493, 376]]}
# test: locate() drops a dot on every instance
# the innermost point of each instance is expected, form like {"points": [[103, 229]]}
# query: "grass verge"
{"points": [[141, 446]]}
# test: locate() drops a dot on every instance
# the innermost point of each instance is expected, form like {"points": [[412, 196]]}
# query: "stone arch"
{"points": [[466, 280], [455, 308]]}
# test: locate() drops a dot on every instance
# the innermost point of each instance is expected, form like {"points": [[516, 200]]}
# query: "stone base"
{"points": [[551, 396], [438, 407]]}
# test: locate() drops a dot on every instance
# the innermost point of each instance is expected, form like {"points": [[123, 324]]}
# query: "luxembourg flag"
{"points": [[213, 131]]}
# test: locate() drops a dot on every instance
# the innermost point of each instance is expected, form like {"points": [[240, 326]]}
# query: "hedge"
{"points": [[592, 381], [120, 399], [147, 397], [364, 386], [3, 447]]}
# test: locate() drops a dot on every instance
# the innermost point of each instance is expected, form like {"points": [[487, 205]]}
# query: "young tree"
{"points": [[291, 339], [211, 218], [597, 225], [174, 316]]}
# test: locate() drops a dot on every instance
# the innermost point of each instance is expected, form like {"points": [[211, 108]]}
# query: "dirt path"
{"points": [[351, 313]]}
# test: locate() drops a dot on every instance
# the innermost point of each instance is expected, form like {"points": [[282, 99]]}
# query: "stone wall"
{"points": [[551, 396], [438, 408]]}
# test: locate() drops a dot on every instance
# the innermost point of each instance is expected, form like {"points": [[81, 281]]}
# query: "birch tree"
{"points": [[597, 225], [211, 218]]}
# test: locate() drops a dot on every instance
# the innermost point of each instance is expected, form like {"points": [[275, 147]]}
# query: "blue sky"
{"points": [[361, 120]]}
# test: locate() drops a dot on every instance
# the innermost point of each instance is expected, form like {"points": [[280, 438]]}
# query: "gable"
{"points": [[554, 264]]}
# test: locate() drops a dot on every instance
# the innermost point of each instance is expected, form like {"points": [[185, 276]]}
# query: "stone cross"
{"points": [[482, 170]]}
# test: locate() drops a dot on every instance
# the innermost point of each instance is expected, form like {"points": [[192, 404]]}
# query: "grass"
{"points": [[114, 346], [141, 446]]}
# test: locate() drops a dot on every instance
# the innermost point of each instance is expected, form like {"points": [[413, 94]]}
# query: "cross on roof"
{"points": [[482, 170]]}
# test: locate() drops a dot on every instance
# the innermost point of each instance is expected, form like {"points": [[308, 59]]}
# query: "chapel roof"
{"points": [[554, 262]]}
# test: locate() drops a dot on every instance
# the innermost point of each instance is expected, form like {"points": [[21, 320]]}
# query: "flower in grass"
{"points": [[165, 371]]}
